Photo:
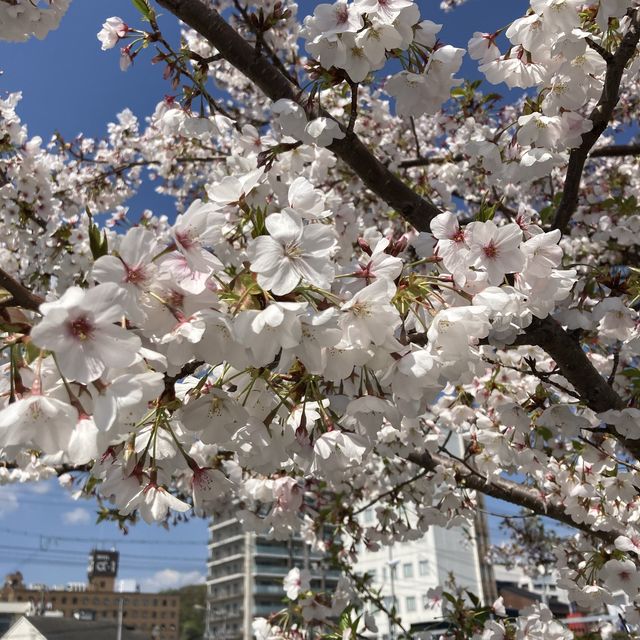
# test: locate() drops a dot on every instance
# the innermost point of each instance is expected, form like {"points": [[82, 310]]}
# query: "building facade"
{"points": [[156, 614], [405, 573], [245, 574], [539, 582]]}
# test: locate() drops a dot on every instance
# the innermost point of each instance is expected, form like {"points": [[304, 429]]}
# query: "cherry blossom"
{"points": [[290, 252], [113, 30], [80, 328], [374, 285]]}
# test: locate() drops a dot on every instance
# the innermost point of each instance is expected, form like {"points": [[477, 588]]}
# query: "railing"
{"points": [[261, 589]]}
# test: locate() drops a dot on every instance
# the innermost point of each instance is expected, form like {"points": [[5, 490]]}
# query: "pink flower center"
{"points": [[491, 251], [458, 236], [135, 275], [342, 14], [185, 240], [176, 299], [81, 328]]}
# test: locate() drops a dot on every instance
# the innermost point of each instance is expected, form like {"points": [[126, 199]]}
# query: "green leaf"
{"points": [[98, 243], [486, 213], [544, 432], [143, 7]]}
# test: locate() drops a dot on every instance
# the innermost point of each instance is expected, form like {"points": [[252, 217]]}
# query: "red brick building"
{"points": [[156, 614]]}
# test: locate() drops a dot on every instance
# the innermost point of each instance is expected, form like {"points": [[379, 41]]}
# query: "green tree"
{"points": [[192, 610]]}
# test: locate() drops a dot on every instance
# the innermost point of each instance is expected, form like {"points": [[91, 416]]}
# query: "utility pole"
{"points": [[392, 575], [487, 577], [249, 546], [120, 616]]}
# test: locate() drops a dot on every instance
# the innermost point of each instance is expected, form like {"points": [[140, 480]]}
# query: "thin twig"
{"points": [[415, 136], [616, 362]]}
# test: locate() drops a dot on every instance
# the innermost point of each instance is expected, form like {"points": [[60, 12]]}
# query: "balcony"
{"points": [[285, 552], [270, 569], [268, 589], [221, 542]]}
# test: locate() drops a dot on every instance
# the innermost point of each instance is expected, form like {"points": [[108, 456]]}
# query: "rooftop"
{"points": [[71, 629]]}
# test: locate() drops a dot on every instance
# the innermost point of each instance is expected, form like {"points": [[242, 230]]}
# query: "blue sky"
{"points": [[47, 536], [70, 86]]}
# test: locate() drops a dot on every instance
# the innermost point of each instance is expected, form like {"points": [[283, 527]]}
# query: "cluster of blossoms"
{"points": [[554, 49], [289, 341], [21, 19], [359, 37]]}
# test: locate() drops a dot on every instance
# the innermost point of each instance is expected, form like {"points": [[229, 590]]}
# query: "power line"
{"points": [[63, 553], [155, 565], [99, 539]]}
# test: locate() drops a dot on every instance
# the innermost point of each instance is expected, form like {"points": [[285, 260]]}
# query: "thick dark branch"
{"points": [[610, 151], [573, 363], [576, 367], [511, 492], [60, 469], [428, 160], [616, 151], [600, 117], [606, 55], [204, 19], [21, 296]]}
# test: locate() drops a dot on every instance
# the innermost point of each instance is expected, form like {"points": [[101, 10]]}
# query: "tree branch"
{"points": [[616, 150], [547, 334], [204, 19], [575, 366], [600, 117], [573, 363], [511, 492], [22, 297], [610, 151]]}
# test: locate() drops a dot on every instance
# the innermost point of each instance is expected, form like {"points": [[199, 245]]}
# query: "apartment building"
{"points": [[406, 572], [245, 574]]}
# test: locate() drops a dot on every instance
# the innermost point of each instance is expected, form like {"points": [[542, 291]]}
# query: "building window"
{"points": [[423, 567], [411, 603], [426, 601], [407, 570]]}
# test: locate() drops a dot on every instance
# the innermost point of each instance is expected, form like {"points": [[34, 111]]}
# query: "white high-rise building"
{"points": [[407, 571]]}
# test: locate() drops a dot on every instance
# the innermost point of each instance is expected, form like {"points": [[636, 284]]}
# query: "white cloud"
{"points": [[77, 516], [40, 487], [8, 501], [171, 579]]}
